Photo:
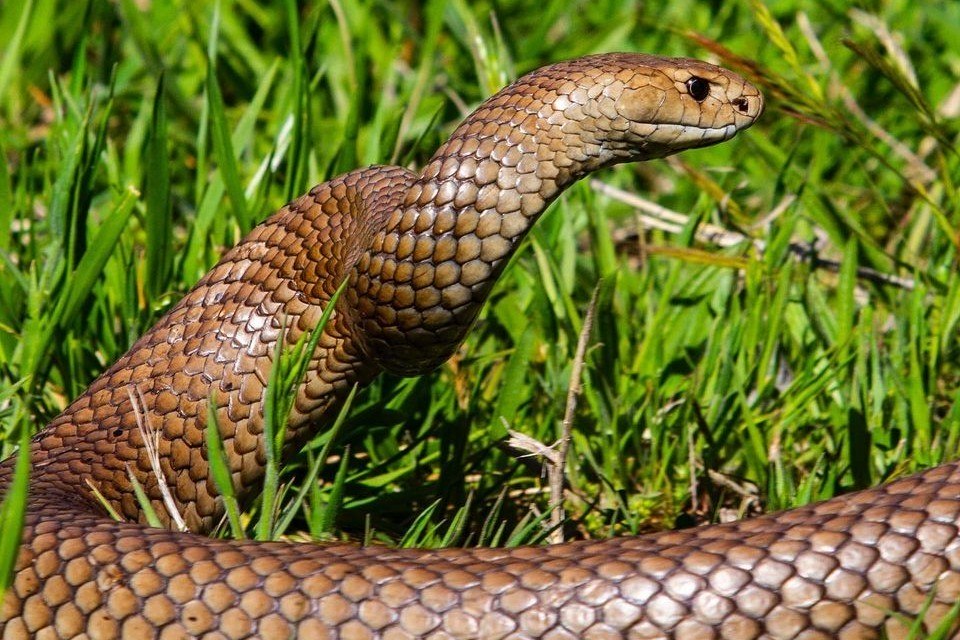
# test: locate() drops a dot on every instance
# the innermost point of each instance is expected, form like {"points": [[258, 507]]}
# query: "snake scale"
{"points": [[421, 252]]}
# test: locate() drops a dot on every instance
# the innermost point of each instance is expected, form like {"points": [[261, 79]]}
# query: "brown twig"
{"points": [[556, 472]]}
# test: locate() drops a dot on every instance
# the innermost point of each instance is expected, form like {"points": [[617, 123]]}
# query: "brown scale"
{"points": [[421, 252]]}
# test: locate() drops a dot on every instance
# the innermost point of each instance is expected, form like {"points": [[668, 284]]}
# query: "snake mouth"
{"points": [[710, 135], [658, 140]]}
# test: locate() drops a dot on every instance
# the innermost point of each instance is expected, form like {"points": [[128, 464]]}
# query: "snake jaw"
{"points": [[666, 139]]}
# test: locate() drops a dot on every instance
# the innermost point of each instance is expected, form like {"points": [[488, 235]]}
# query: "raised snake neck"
{"points": [[421, 252]]}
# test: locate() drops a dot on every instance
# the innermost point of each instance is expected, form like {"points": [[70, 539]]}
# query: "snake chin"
{"points": [[665, 139]]}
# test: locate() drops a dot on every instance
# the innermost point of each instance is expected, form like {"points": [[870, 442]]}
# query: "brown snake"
{"points": [[421, 252]]}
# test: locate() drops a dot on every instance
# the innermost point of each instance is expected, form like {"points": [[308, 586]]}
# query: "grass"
{"points": [[807, 348]]}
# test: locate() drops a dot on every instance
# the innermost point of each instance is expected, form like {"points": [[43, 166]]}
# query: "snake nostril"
{"points": [[742, 105]]}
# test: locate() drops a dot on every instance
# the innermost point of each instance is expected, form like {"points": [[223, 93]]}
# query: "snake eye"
{"points": [[699, 88]]}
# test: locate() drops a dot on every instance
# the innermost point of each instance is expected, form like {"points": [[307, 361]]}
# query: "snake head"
{"points": [[625, 107], [664, 105]]}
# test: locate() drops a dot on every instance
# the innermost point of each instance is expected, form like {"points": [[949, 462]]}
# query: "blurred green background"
{"points": [[785, 332]]}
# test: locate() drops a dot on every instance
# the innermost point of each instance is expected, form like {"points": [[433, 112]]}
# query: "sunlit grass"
{"points": [[814, 354]]}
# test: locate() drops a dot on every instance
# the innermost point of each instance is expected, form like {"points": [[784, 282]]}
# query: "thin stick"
{"points": [[557, 471], [692, 462], [658, 217]]}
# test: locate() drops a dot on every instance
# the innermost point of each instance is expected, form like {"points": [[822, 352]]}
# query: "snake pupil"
{"points": [[699, 88]]}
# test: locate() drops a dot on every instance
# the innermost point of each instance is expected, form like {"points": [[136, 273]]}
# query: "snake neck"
{"points": [[429, 271]]}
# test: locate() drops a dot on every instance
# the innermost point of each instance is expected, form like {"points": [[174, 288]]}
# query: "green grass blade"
{"points": [[220, 470], [516, 391], [143, 501], [274, 418], [99, 251], [14, 48], [288, 371], [159, 225], [308, 483], [422, 524], [335, 500], [12, 514], [223, 149]]}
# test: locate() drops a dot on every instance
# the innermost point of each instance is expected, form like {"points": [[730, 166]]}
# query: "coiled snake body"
{"points": [[421, 252]]}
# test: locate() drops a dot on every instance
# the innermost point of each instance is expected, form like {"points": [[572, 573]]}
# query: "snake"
{"points": [[419, 253]]}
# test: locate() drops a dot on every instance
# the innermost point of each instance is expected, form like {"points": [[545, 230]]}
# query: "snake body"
{"points": [[421, 252]]}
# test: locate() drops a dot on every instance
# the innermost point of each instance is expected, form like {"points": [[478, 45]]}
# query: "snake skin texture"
{"points": [[421, 252]]}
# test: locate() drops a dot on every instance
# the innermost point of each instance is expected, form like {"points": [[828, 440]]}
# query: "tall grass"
{"points": [[788, 333]]}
